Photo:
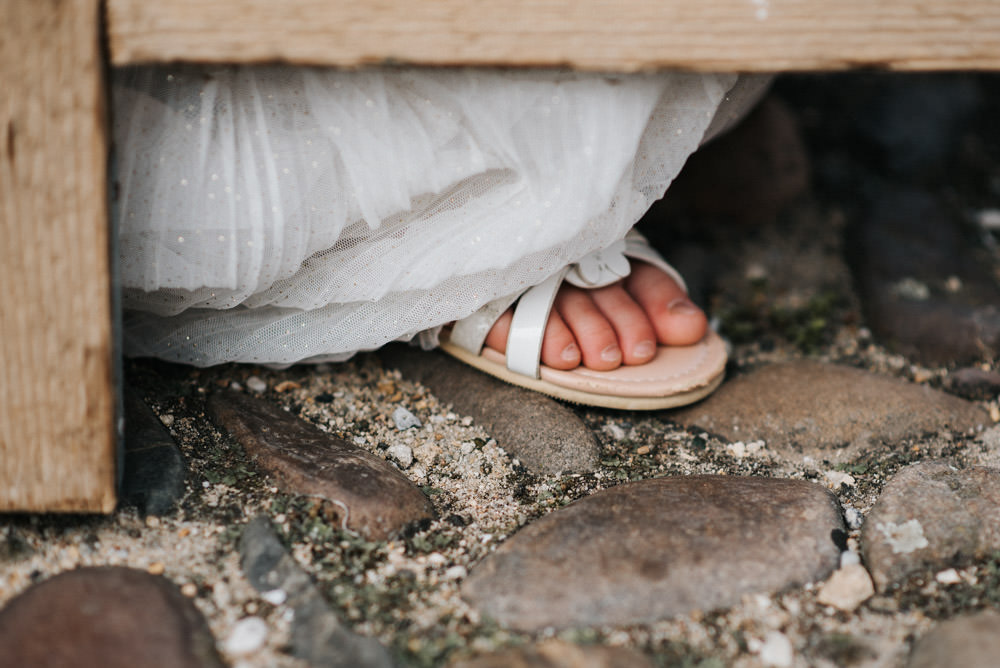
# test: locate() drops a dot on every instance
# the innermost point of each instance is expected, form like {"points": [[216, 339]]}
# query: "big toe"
{"points": [[675, 318]]}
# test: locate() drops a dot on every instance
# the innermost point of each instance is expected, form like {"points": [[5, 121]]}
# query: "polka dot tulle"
{"points": [[279, 214]]}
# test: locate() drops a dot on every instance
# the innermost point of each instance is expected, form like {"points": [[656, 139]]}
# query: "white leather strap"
{"points": [[527, 328], [636, 246], [470, 332]]}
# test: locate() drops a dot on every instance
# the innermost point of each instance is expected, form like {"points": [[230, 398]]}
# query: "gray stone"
{"points": [[909, 237], [544, 435], [659, 548], [375, 497], [929, 515], [559, 654], [154, 470], [112, 617], [826, 410], [969, 642], [318, 636]]}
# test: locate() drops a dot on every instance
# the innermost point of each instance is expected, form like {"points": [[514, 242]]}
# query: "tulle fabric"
{"points": [[279, 214]]}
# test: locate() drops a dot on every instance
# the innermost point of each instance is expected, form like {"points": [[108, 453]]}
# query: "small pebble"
{"points": [[739, 449], [286, 385], [275, 596], [156, 568], [837, 479], [847, 588], [853, 518], [755, 272], [776, 650], [455, 573], [257, 385], [912, 289], [403, 455], [404, 419], [948, 576], [615, 431], [849, 558], [248, 635], [989, 219], [189, 589], [643, 450], [167, 420]]}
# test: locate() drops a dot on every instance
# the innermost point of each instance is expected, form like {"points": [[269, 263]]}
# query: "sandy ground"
{"points": [[405, 591]]}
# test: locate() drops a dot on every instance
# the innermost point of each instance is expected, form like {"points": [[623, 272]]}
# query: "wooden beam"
{"points": [[57, 406], [624, 35]]}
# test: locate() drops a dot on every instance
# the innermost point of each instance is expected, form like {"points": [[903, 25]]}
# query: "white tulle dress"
{"points": [[277, 214]]}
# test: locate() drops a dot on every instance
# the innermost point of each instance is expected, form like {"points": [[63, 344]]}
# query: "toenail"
{"points": [[682, 306], [611, 354], [644, 349], [571, 353]]}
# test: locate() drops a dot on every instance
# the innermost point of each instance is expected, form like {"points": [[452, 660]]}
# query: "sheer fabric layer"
{"points": [[278, 214]]}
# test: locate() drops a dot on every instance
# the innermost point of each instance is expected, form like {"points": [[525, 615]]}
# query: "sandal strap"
{"points": [[636, 246], [470, 332], [527, 327]]}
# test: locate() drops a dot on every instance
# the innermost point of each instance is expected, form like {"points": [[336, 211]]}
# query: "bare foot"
{"points": [[618, 324]]}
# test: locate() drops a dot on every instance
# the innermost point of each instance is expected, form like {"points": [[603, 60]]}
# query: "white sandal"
{"points": [[677, 375]]}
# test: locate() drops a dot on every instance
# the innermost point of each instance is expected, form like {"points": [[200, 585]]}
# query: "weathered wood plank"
{"points": [[722, 35], [57, 405]]}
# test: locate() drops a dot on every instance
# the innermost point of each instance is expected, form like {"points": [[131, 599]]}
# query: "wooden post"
{"points": [[57, 397]]}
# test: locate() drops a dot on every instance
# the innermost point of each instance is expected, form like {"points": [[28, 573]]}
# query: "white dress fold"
{"points": [[279, 214]]}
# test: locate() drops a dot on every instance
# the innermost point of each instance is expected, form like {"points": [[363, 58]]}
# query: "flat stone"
{"points": [[376, 498], [969, 642], [927, 292], [113, 617], [318, 635], [929, 515], [826, 410], [658, 548], [544, 435], [154, 469], [559, 654]]}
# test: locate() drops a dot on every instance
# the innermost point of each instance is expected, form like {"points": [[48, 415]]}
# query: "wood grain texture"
{"points": [[720, 35], [57, 432]]}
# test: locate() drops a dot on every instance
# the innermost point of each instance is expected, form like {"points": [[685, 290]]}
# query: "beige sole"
{"points": [[710, 376]]}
